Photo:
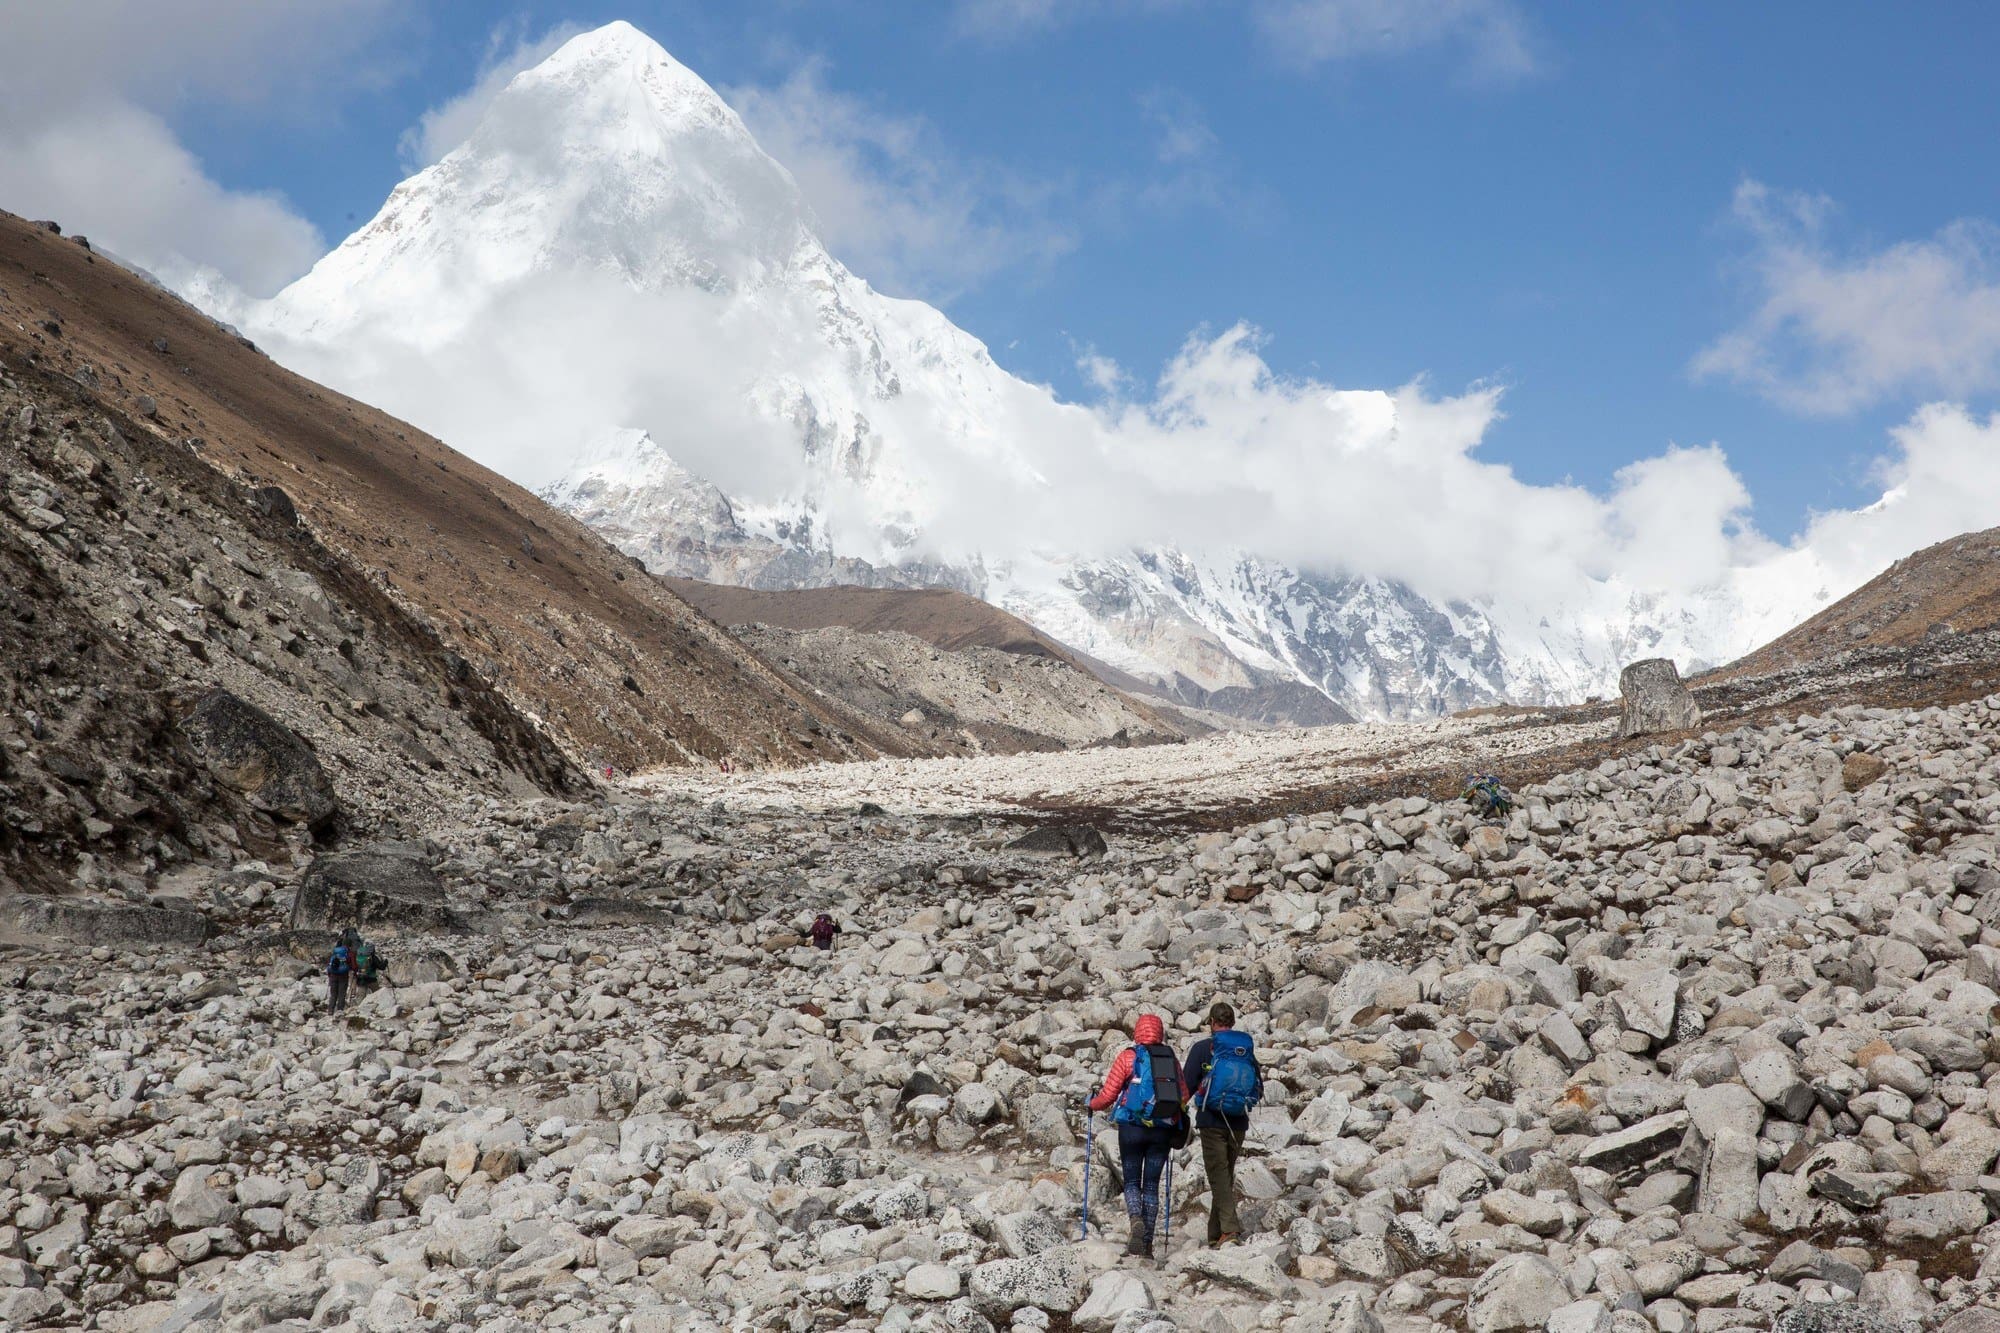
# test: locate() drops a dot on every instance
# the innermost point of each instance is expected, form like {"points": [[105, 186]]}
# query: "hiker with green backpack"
{"points": [[1228, 1082], [368, 966], [1147, 1095]]}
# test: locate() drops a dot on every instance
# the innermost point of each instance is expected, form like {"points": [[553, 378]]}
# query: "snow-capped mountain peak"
{"points": [[610, 156], [771, 418]]}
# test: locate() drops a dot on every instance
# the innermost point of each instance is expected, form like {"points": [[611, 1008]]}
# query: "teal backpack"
{"points": [[1153, 1097]]}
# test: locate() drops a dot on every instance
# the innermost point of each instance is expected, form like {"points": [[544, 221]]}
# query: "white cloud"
{"points": [[85, 92], [509, 50], [1100, 372], [1834, 333], [1224, 454], [551, 358], [1180, 126], [1492, 33], [1008, 18], [119, 174], [1939, 481], [891, 199], [159, 52]]}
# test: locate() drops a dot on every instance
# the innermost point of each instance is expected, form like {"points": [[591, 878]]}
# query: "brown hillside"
{"points": [[941, 617], [1953, 586], [613, 664]]}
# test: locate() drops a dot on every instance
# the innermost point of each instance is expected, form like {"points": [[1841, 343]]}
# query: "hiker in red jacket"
{"points": [[1147, 1102]]}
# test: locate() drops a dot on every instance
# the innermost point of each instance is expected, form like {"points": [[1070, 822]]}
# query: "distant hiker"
{"points": [[368, 965], [339, 967], [1488, 797], [1227, 1082], [1147, 1096], [824, 928]]}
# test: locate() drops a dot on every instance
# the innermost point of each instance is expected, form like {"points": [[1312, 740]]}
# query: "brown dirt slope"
{"points": [[1950, 588], [941, 617], [575, 634]]}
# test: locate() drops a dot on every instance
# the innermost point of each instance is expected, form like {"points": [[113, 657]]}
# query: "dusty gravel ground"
{"points": [[1160, 784]]}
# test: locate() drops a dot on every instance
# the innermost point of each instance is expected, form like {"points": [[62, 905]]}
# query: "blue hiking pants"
{"points": [[1142, 1154]]}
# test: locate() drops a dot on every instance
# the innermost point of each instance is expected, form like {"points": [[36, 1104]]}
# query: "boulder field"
{"points": [[1697, 1039]]}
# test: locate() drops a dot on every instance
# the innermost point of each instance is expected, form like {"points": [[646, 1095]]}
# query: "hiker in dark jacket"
{"points": [[824, 928], [339, 967], [1223, 1127], [1146, 1135], [368, 966]]}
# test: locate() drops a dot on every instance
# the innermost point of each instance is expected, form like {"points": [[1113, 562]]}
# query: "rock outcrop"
{"points": [[1653, 699], [27, 917], [384, 884], [253, 753]]}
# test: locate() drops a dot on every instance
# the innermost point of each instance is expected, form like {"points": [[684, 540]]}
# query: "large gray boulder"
{"points": [[249, 751], [1836, 1317], [1077, 840], [31, 918], [1652, 698], [1519, 1292], [1051, 1280], [384, 884]]}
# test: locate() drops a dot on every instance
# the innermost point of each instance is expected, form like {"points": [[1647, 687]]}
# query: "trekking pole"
{"points": [[1089, 1141], [1167, 1204]]}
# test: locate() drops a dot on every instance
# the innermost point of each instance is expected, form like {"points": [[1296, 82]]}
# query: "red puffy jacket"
{"points": [[1148, 1031]]}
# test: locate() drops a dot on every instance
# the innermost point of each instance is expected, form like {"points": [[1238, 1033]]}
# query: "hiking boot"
{"points": [[1137, 1244]]}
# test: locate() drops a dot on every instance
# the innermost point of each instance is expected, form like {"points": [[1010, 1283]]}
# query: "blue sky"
{"points": [[1577, 202]]}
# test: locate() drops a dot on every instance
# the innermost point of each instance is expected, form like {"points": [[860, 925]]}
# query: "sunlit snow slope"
{"points": [[611, 200]]}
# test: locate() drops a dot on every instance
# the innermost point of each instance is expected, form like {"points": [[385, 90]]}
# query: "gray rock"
{"points": [[1521, 1291], [1025, 1233], [1652, 698], [387, 883], [1051, 1280], [197, 1201], [1647, 1001], [1077, 840], [1636, 1145], [1253, 1267], [1113, 1296], [251, 752], [1347, 1314], [1511, 1208], [1773, 1074], [1972, 1321], [932, 1282], [31, 918], [1836, 1317], [1941, 1216]]}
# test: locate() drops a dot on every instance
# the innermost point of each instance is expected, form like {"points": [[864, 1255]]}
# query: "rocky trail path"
{"points": [[1698, 1037]]}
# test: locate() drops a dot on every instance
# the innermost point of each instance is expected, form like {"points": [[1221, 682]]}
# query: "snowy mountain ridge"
{"points": [[758, 414]]}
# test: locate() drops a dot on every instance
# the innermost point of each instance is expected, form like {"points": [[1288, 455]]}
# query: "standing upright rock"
{"points": [[1652, 698], [382, 883]]}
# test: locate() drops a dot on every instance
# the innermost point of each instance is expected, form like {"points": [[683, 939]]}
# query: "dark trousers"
{"points": [[1219, 1147], [1142, 1156], [336, 992]]}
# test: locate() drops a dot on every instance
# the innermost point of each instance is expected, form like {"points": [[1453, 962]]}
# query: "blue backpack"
{"points": [[1231, 1086], [337, 966], [1153, 1096]]}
